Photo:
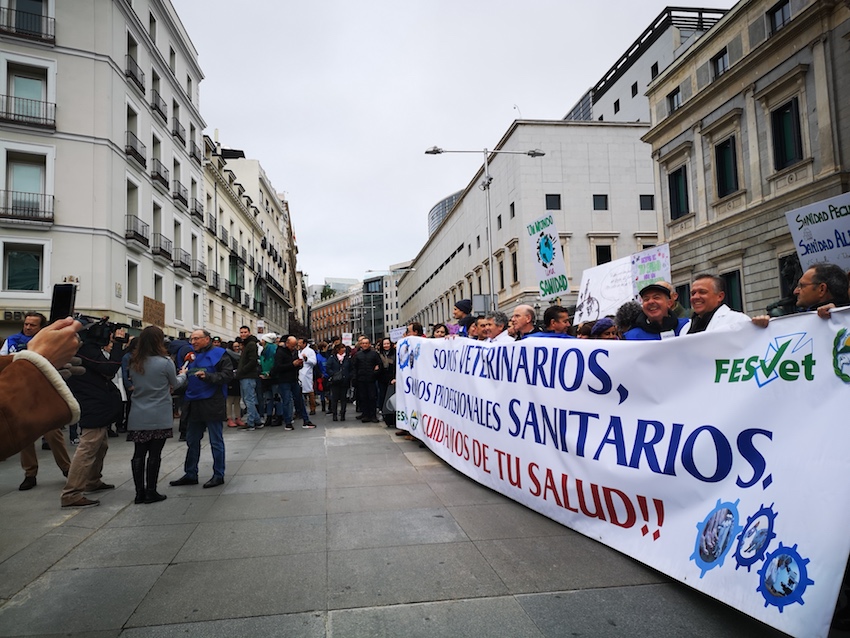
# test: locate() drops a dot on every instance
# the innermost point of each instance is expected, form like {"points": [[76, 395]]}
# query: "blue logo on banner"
{"points": [[756, 537], [715, 535], [784, 577]]}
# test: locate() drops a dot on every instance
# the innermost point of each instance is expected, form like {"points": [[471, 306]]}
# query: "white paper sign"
{"points": [[544, 244], [821, 232]]}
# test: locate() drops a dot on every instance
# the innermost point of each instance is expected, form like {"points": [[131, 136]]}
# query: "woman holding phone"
{"points": [[151, 418]]}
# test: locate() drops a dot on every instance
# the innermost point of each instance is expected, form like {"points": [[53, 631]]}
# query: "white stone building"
{"points": [[101, 158], [595, 178]]}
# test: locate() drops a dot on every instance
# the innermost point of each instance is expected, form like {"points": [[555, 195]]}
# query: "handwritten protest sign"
{"points": [[821, 232]]}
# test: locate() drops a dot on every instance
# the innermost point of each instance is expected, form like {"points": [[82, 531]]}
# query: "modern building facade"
{"points": [[595, 179], [440, 211], [751, 122], [620, 94]]}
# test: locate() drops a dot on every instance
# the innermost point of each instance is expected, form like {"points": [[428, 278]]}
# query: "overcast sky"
{"points": [[339, 100]]}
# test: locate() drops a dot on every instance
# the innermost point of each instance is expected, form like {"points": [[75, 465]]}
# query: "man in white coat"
{"points": [[710, 312], [305, 374]]}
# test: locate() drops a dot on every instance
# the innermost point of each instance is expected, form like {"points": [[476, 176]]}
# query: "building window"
{"points": [[726, 166], [132, 282], [25, 179], [684, 292], [733, 298], [647, 202], [513, 210], [480, 289], [27, 100], [720, 63], [600, 202], [616, 106], [514, 268], [653, 70], [634, 89], [603, 254], [152, 27], [501, 275], [779, 16], [178, 303], [478, 241], [785, 128], [172, 59], [469, 250], [498, 222], [674, 100], [23, 266], [678, 183], [553, 202]]}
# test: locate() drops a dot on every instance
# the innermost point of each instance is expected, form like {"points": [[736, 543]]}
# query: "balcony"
{"points": [[179, 193], [19, 110], [263, 243], [159, 106], [137, 233], [197, 210], [227, 287], [259, 307], [222, 235], [246, 299], [161, 247], [195, 151], [26, 207], [199, 270], [251, 262], [243, 254], [211, 223], [133, 71], [159, 174], [213, 280], [234, 292], [182, 260], [234, 246], [32, 26], [177, 130], [134, 148]]}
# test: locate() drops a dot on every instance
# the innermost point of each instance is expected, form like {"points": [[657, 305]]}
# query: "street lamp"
{"points": [[485, 186]]}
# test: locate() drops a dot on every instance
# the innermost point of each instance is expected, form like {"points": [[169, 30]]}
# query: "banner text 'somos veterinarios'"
{"points": [[719, 459]]}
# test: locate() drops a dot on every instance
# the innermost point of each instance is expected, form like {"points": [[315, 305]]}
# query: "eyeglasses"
{"points": [[801, 285], [197, 338]]}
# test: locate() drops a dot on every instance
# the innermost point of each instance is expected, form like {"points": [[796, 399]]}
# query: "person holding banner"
{"points": [[522, 321], [657, 320], [496, 327], [710, 312], [821, 285]]}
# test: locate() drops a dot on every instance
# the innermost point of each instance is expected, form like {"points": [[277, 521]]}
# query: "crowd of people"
{"points": [[139, 386]]}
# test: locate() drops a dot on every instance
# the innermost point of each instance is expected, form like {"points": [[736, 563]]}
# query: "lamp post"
{"points": [[485, 186]]}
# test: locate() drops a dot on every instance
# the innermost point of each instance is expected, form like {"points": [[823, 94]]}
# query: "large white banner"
{"points": [[721, 459]]}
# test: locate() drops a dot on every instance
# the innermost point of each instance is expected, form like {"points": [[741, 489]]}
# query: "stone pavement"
{"points": [[341, 531]]}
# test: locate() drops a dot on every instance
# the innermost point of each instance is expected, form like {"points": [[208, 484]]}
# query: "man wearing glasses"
{"points": [[821, 285], [209, 372]]}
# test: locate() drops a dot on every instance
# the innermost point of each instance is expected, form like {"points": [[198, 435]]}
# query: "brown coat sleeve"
{"points": [[33, 400]]}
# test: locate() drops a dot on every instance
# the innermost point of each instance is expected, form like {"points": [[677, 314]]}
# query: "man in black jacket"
{"points": [[248, 374], [287, 363], [100, 406], [364, 370]]}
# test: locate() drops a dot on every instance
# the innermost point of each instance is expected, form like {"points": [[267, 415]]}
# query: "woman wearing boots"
{"points": [[338, 370], [151, 420]]}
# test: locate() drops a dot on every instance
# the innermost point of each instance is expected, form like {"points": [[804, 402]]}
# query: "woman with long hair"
{"points": [[151, 420], [440, 330]]}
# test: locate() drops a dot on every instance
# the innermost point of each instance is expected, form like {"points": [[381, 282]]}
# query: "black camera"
{"points": [[99, 330]]}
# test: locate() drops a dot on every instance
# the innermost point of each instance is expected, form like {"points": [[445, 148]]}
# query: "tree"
{"points": [[327, 292]]}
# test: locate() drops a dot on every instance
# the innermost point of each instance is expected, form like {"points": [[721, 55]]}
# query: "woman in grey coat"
{"points": [[151, 421]]}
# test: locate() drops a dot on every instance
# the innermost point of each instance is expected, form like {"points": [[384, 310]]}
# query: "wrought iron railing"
{"points": [[161, 246], [158, 105], [179, 192], [182, 259], [159, 173], [134, 148], [133, 71], [32, 26], [178, 130], [137, 230], [22, 206], [24, 111]]}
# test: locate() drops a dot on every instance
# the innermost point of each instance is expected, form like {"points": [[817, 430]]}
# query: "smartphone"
{"points": [[62, 302]]}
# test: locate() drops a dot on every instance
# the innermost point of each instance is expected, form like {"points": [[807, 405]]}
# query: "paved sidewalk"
{"points": [[341, 531]]}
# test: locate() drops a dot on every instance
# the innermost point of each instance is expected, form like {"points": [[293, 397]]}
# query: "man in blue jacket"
{"points": [[657, 320], [208, 375]]}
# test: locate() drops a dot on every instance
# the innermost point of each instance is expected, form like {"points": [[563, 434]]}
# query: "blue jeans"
{"points": [[290, 393], [194, 434], [248, 390]]}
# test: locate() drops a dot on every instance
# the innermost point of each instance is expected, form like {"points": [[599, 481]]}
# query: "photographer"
{"points": [[100, 406]]}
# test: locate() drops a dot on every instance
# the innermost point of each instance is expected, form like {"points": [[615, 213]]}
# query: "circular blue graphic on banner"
{"points": [[755, 539], [784, 577], [715, 535], [545, 250]]}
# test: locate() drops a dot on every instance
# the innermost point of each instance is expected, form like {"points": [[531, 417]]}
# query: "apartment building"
{"points": [[750, 122], [101, 182]]}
